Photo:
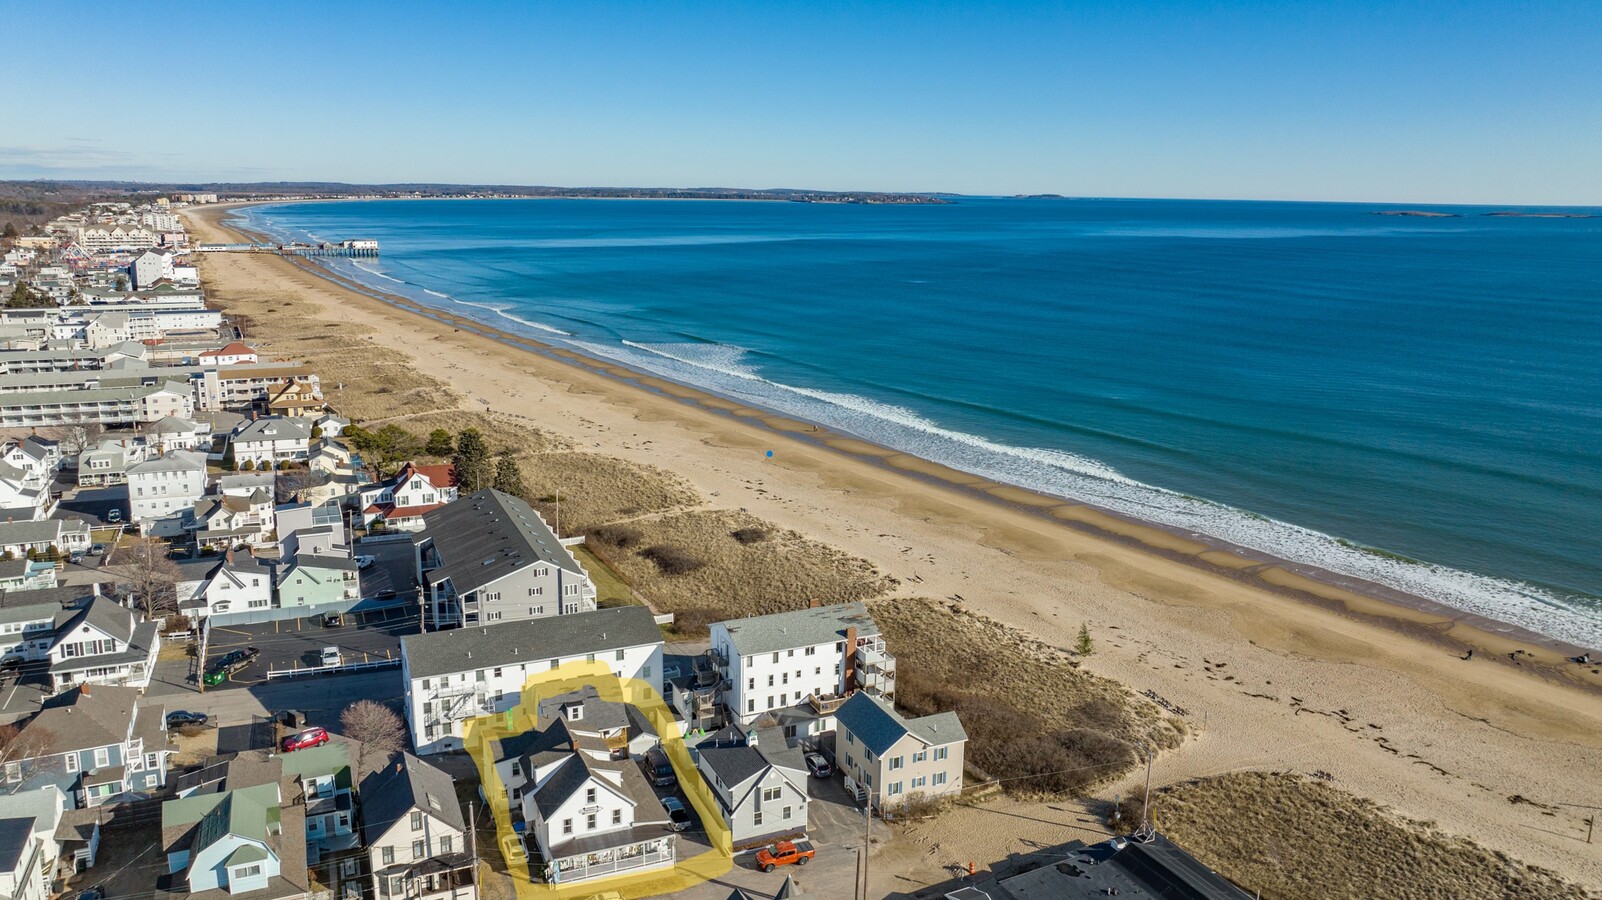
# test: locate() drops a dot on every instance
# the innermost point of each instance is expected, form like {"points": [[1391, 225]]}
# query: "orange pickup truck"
{"points": [[785, 853]]}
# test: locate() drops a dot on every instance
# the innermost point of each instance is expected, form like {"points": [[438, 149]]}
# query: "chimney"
{"points": [[751, 738], [95, 588], [397, 767], [849, 670], [813, 603], [84, 689]]}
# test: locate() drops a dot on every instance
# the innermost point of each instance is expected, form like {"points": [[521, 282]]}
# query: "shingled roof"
{"points": [[536, 640], [488, 535]]}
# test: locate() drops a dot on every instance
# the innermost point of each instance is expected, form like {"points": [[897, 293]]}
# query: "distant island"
{"points": [[1422, 213], [1514, 214]]}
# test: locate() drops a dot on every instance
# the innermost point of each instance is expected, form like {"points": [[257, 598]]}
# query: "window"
{"points": [[567, 826], [770, 681], [940, 753], [756, 819], [894, 789], [895, 762], [387, 856], [589, 821], [851, 738], [444, 843], [790, 655], [72, 762], [14, 772], [102, 757], [775, 657], [939, 778], [919, 782], [770, 794], [418, 849], [750, 705], [920, 756], [750, 684], [589, 795], [811, 651], [417, 820], [589, 657], [247, 871], [397, 886], [620, 656], [617, 817], [787, 812]]}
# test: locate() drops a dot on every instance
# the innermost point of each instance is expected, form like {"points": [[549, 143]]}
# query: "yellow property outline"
{"points": [[480, 732]]}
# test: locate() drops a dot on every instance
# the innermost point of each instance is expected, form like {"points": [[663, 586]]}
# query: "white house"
{"points": [[801, 665], [760, 783], [162, 491], [584, 814], [401, 502], [24, 874], [227, 520], [103, 642], [415, 833], [452, 676], [24, 495], [173, 433], [231, 355], [890, 759], [268, 441], [66, 535], [232, 583]]}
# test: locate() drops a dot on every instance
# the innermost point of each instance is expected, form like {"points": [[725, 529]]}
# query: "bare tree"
{"points": [[75, 439], [18, 743], [150, 575], [379, 729]]}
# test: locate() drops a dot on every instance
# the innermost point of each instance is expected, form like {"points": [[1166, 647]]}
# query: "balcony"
{"points": [[871, 654], [826, 704]]}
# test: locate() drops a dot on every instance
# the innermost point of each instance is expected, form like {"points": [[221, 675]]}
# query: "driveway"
{"points": [[298, 643]]}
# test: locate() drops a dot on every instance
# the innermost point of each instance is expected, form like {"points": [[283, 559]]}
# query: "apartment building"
{"points": [[271, 440], [800, 665], [760, 783], [162, 491], [489, 559], [452, 676]]}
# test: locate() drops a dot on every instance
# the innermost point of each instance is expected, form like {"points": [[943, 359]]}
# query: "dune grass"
{"points": [[691, 564], [597, 489], [1033, 718], [1292, 838]]}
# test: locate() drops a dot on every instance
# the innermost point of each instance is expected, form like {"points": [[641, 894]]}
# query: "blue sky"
{"points": [[1495, 102]]}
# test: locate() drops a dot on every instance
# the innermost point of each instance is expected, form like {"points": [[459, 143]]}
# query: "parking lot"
{"points": [[299, 643], [94, 504], [394, 569]]}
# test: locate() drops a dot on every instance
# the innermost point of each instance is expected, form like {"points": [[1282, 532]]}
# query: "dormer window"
{"points": [[575, 712]]}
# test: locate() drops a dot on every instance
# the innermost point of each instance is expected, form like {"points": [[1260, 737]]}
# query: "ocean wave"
{"points": [[501, 309], [379, 274], [723, 369]]}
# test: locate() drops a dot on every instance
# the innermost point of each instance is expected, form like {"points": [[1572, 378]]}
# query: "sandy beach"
{"points": [[1275, 670]]}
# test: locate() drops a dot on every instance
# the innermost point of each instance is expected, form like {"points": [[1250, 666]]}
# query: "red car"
{"points": [[311, 737]]}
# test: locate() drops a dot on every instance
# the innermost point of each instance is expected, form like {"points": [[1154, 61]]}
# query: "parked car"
{"points": [[114, 516], [179, 718], [332, 620], [659, 769], [678, 816], [97, 550], [75, 556], [311, 737], [229, 663], [10, 663], [364, 561], [97, 892], [818, 766], [331, 656], [512, 850], [785, 853]]}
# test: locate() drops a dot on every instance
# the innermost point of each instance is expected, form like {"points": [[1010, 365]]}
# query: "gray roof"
{"points": [[85, 717], [878, 726], [466, 649], [172, 425], [172, 461], [1159, 869], [275, 428], [404, 784], [598, 715], [486, 536], [800, 628], [733, 764], [46, 531], [102, 613], [15, 836]]}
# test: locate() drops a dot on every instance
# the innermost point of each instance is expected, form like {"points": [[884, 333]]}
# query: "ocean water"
{"points": [[1414, 401]]}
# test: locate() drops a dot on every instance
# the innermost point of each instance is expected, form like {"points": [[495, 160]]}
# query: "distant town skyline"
{"points": [[1473, 102]]}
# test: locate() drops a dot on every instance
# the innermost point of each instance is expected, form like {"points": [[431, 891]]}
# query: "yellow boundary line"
{"points": [[479, 733]]}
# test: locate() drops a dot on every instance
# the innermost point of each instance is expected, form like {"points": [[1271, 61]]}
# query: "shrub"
{"points": [[620, 536], [696, 620], [248, 465], [750, 535], [672, 560]]}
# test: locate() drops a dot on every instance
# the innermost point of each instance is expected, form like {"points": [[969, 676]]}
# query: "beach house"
{"points": [[241, 841], [64, 535], [103, 642], [582, 812], [399, 503], [760, 783], [891, 760], [489, 559], [266, 442], [414, 832], [227, 585], [452, 676]]}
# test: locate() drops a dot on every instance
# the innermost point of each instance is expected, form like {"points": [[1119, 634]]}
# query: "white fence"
{"points": [[329, 670]]}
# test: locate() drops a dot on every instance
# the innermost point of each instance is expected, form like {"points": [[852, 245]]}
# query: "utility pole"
{"points": [[422, 611], [1145, 805], [558, 513], [867, 838], [472, 842]]}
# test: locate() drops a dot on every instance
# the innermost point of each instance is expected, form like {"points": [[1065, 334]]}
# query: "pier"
{"points": [[326, 248]]}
